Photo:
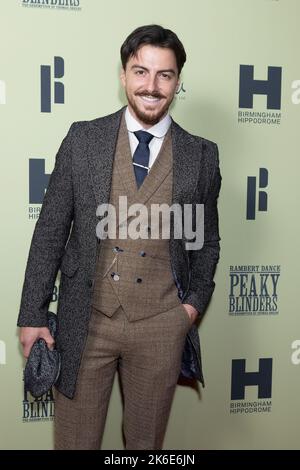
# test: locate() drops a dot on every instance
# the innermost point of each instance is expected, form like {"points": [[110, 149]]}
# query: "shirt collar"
{"points": [[158, 130]]}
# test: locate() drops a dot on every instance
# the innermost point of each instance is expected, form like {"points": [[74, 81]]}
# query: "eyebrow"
{"points": [[147, 70]]}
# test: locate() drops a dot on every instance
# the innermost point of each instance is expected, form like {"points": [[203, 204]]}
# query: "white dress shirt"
{"points": [[159, 131]]}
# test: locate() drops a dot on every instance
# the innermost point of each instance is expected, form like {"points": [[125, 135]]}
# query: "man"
{"points": [[126, 303]]}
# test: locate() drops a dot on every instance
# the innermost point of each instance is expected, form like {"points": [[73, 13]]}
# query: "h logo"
{"points": [[2, 92], [59, 90], [262, 195], [38, 180], [270, 87], [240, 379]]}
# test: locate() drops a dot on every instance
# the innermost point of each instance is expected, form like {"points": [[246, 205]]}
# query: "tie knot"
{"points": [[143, 137]]}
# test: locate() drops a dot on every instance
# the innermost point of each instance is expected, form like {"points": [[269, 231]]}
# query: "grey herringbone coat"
{"points": [[65, 236]]}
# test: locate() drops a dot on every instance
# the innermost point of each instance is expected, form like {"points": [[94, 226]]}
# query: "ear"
{"points": [[178, 84], [123, 77]]}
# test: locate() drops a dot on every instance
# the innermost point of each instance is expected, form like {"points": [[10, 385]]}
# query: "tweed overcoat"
{"points": [[65, 237]]}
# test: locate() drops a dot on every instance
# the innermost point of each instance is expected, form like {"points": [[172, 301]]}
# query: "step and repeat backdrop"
{"points": [[59, 63]]}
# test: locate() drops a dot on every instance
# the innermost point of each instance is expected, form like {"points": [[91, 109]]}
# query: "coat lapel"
{"points": [[123, 162], [186, 165], [102, 140]]}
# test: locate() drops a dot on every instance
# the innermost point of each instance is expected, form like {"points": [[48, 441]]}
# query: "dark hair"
{"points": [[154, 35]]}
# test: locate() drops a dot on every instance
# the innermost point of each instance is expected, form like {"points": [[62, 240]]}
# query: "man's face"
{"points": [[150, 81]]}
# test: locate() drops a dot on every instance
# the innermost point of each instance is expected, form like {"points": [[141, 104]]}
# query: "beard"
{"points": [[151, 117]]}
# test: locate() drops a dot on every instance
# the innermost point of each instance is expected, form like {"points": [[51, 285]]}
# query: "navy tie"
{"points": [[141, 156]]}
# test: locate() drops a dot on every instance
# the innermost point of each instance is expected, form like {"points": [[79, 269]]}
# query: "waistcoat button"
{"points": [[139, 279], [116, 249]]}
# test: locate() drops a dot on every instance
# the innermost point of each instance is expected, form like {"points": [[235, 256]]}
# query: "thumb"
{"points": [[49, 340]]}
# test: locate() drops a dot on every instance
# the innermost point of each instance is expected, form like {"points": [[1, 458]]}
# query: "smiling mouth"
{"points": [[150, 99]]}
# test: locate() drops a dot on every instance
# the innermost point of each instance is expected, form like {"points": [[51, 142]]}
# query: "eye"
{"points": [[139, 72], [166, 76]]}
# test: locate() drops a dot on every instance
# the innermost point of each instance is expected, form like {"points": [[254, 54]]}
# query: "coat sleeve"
{"points": [[48, 241], [203, 262]]}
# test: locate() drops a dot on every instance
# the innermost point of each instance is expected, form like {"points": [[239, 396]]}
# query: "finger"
{"points": [[26, 350], [50, 342], [50, 345]]}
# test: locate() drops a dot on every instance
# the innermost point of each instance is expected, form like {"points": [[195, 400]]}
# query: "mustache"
{"points": [[154, 94]]}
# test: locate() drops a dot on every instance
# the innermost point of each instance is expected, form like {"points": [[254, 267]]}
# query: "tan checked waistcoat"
{"points": [[139, 278]]}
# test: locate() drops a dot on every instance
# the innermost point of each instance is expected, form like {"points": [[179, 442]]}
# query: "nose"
{"points": [[151, 83]]}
